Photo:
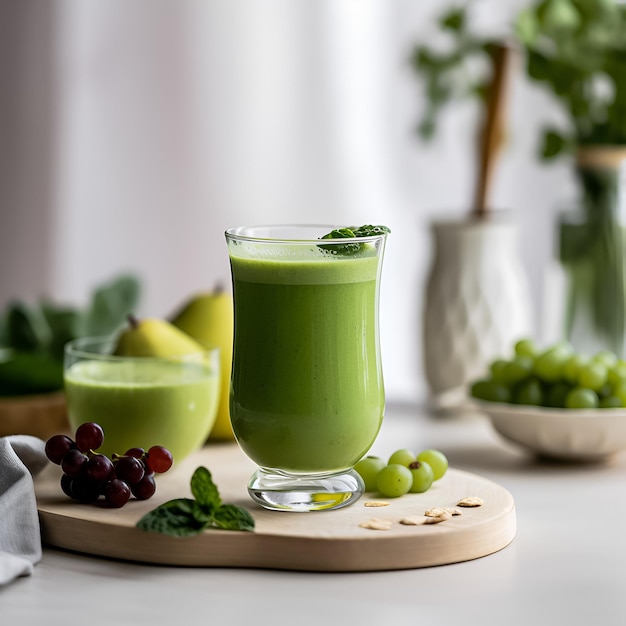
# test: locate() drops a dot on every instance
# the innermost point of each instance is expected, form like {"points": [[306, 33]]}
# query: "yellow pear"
{"points": [[153, 337], [208, 317]]}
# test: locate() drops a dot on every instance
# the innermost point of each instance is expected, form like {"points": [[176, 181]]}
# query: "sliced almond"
{"points": [[471, 501], [438, 519], [376, 524], [374, 503], [438, 511], [417, 520]]}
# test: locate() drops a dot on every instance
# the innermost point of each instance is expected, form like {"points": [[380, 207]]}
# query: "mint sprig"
{"points": [[351, 232], [185, 517]]}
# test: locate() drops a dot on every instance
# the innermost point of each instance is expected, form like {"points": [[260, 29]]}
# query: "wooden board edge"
{"points": [[250, 550]]}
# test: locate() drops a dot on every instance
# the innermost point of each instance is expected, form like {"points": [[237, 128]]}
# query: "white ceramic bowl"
{"points": [[565, 434]]}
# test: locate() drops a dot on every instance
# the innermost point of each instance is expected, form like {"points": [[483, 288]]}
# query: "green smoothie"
{"points": [[144, 403], [307, 389]]}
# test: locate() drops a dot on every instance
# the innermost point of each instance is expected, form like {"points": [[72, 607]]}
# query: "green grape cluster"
{"points": [[403, 473], [557, 377]]}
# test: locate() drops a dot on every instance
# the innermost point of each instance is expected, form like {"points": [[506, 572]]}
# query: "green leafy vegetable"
{"points": [[351, 232], [23, 373], [32, 338], [110, 305], [185, 517]]}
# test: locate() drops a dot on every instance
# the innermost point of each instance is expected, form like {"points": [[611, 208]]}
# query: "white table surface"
{"points": [[567, 564]]}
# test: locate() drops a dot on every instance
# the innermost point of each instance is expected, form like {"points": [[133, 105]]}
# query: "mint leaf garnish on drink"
{"points": [[184, 517], [351, 232]]}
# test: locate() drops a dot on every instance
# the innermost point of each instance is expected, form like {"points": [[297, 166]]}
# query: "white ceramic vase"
{"points": [[477, 304]]}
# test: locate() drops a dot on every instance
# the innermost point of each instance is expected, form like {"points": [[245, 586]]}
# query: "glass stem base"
{"points": [[304, 493]]}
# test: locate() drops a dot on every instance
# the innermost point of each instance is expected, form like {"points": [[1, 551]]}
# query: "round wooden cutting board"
{"points": [[331, 541]]}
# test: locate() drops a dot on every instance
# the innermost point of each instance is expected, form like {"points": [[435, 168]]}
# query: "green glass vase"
{"points": [[592, 250]]}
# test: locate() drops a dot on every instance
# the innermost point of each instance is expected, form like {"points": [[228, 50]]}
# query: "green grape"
{"points": [[517, 370], [526, 347], [437, 461], [610, 402], [394, 480], [571, 368], [423, 476], [496, 369], [581, 398], [607, 358], [529, 392], [490, 391], [617, 373], [549, 365], [564, 347], [401, 457], [593, 375], [555, 396], [368, 468]]}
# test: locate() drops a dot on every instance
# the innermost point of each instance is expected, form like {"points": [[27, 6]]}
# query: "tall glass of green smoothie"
{"points": [[307, 395]]}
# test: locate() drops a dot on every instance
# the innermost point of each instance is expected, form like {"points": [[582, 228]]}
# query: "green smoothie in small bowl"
{"points": [[142, 401]]}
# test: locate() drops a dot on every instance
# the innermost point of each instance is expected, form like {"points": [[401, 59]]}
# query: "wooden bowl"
{"points": [[41, 415]]}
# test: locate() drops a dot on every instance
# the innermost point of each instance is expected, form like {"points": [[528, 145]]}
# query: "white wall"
{"points": [[146, 128]]}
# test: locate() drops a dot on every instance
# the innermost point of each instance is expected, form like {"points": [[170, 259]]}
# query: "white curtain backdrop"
{"points": [[137, 131]]}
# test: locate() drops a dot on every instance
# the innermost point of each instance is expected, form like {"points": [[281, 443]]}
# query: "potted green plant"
{"points": [[576, 49], [477, 301]]}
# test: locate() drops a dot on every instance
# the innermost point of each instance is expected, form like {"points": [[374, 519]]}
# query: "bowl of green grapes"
{"points": [[556, 402]]}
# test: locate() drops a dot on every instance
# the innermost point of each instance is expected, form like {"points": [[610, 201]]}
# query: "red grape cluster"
{"points": [[87, 475]]}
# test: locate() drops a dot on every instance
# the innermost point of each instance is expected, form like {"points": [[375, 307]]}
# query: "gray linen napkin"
{"points": [[21, 458]]}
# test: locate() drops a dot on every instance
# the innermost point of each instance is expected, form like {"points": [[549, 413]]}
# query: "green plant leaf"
{"points": [[553, 144], [454, 20], [204, 489], [341, 233], [368, 230], [426, 128], [4, 341], [561, 15], [184, 517], [27, 328], [110, 305], [174, 518], [526, 27], [25, 373], [232, 517], [65, 324], [349, 233]]}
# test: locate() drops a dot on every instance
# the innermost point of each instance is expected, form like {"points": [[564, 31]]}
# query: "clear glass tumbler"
{"points": [[142, 401], [307, 394]]}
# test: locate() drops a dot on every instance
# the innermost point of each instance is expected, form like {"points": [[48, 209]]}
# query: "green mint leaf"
{"points": [[232, 517], [370, 231], [349, 233], [202, 513], [340, 233], [204, 489], [185, 517], [174, 518]]}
